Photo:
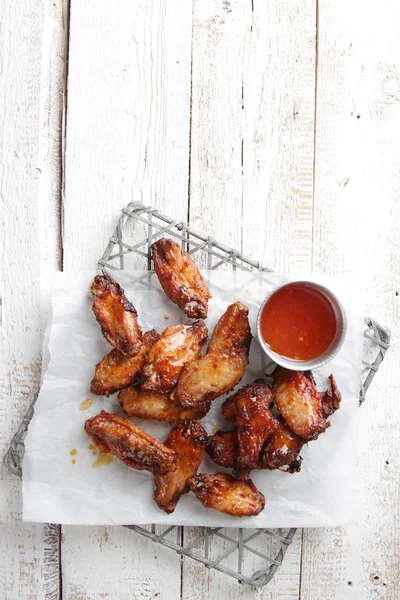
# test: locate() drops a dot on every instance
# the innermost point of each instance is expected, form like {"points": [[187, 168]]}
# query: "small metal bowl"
{"points": [[330, 352]]}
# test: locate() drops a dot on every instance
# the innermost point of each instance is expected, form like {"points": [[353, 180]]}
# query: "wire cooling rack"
{"points": [[251, 556]]}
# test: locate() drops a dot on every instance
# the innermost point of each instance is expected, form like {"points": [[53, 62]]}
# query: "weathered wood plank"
{"points": [[127, 139], [278, 135], [220, 38], [251, 176], [128, 117], [356, 224], [32, 41]]}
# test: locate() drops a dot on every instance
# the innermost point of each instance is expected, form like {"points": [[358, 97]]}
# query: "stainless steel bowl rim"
{"points": [[328, 355]]}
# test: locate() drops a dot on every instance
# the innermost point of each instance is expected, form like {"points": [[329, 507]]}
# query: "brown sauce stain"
{"points": [[84, 405], [166, 318], [92, 447], [104, 459]]}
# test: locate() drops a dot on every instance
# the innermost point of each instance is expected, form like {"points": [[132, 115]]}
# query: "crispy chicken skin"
{"points": [[223, 366], [116, 371], [223, 448], [180, 279], [130, 444], [147, 404], [116, 315], [300, 404], [282, 449], [331, 398], [228, 495], [232, 333], [188, 440], [255, 421], [228, 408], [177, 345], [209, 377]]}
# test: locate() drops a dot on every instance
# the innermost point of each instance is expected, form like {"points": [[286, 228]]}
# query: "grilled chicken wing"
{"points": [[130, 444], [188, 440], [209, 377], [228, 495], [228, 409], [180, 279], [146, 404], [116, 315], [255, 421], [116, 371], [232, 333], [223, 366], [282, 449], [331, 398], [177, 345], [300, 404], [223, 448]]}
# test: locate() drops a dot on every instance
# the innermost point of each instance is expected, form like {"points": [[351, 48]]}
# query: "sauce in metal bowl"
{"points": [[298, 321]]}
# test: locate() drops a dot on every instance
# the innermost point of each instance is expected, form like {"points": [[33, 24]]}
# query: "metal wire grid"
{"points": [[379, 340], [213, 254], [200, 549], [137, 229]]}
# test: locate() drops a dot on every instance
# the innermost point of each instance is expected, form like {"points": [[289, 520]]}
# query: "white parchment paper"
{"points": [[60, 487]]}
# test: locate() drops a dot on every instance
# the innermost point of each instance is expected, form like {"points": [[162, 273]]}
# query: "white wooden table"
{"points": [[274, 126]]}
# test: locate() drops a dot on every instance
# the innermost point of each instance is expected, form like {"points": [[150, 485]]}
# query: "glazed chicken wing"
{"points": [[223, 366], [228, 409], [223, 448], [300, 404], [209, 377], [177, 345], [331, 398], [282, 449], [116, 315], [130, 444], [228, 495], [255, 421], [146, 404], [188, 440], [117, 371], [180, 279], [232, 333]]}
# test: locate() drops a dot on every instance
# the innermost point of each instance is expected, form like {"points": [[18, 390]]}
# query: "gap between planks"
{"points": [[189, 215], [315, 138]]}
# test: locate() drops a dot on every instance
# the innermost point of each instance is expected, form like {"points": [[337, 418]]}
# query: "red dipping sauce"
{"points": [[298, 322]]}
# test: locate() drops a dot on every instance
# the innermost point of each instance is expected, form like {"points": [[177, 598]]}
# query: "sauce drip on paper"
{"points": [[102, 460], [84, 405]]}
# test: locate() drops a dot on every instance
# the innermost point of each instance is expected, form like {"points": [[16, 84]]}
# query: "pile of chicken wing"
{"points": [[166, 377]]}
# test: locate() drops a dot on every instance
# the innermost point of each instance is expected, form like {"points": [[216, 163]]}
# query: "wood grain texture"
{"points": [[220, 39], [30, 35], [128, 117], [53, 98], [127, 139], [356, 225], [278, 134], [248, 74], [251, 176]]}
